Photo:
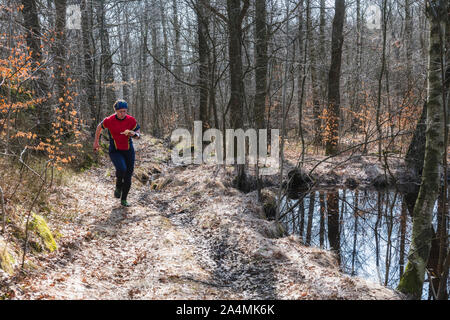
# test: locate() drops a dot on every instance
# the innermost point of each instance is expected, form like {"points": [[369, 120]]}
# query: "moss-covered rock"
{"points": [[269, 200], [40, 227], [275, 230], [6, 259]]}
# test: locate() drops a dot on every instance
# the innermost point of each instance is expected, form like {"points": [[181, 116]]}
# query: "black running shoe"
{"points": [[125, 203], [117, 193]]}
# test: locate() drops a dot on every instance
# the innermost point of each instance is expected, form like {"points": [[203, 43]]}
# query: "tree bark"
{"points": [[33, 34], [181, 89], [355, 122], [408, 40], [235, 17], [416, 151], [411, 283], [261, 60], [380, 78], [60, 53], [106, 63], [334, 100], [89, 64], [124, 43], [154, 30], [203, 53], [315, 81]]}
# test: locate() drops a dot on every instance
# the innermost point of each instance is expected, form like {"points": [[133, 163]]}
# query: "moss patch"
{"points": [[410, 283], [40, 227]]}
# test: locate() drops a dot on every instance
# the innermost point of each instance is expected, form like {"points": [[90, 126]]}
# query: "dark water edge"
{"points": [[369, 230]]}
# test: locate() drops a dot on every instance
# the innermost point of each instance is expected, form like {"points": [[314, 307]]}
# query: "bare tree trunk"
{"points": [[33, 34], [334, 100], [380, 79], [106, 63], [165, 92], [89, 60], [302, 71], [142, 97], [203, 52], [181, 89], [411, 282], [444, 253], [235, 17], [60, 53], [322, 48], [144, 80], [154, 30], [356, 98], [261, 61], [408, 40], [416, 151], [315, 81], [124, 44]]}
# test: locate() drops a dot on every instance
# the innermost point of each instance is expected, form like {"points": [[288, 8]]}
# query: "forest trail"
{"points": [[192, 237]]}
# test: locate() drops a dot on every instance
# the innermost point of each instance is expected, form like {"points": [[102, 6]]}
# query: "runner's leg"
{"points": [[121, 169], [129, 157]]}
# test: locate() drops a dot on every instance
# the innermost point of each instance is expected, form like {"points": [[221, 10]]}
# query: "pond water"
{"points": [[369, 230]]}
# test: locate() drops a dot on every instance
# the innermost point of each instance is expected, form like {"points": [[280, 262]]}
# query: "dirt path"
{"points": [[119, 253], [194, 237]]}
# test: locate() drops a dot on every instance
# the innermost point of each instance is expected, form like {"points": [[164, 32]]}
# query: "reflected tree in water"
{"points": [[333, 223], [369, 230]]}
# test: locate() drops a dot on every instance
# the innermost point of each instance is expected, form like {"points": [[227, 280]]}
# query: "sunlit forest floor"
{"points": [[188, 235]]}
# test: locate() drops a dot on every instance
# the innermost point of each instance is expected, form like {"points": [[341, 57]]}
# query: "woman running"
{"points": [[121, 127]]}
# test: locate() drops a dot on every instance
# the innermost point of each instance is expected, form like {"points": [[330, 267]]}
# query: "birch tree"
{"points": [[411, 282]]}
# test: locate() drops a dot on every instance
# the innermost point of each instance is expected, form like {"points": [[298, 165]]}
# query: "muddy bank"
{"points": [[346, 172]]}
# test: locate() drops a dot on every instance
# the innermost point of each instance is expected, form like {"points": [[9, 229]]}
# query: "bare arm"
{"points": [[97, 137]]}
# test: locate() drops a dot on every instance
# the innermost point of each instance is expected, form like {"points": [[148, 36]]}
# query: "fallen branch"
{"points": [[28, 167]]}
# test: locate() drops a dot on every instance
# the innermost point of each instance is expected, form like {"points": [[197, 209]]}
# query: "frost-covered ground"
{"points": [[188, 235]]}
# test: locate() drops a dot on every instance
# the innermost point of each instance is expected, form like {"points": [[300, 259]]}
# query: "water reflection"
{"points": [[368, 230]]}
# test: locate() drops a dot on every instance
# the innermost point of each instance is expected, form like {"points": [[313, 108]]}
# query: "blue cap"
{"points": [[120, 104]]}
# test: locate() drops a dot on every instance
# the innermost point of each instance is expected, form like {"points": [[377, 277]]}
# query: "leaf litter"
{"points": [[195, 237]]}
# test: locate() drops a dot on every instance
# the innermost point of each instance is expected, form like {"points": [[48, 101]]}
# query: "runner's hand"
{"points": [[96, 146], [128, 133]]}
